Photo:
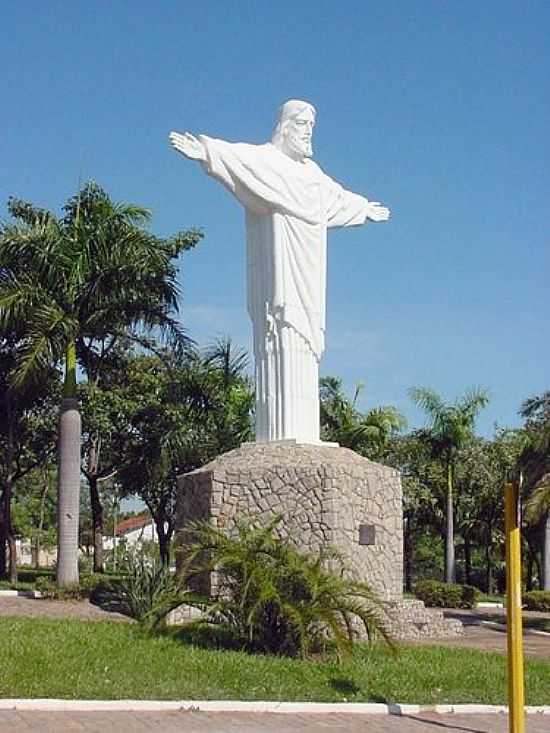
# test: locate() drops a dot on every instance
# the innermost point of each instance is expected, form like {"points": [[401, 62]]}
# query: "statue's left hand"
{"points": [[377, 212]]}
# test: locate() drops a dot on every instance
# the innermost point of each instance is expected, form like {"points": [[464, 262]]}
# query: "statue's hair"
{"points": [[287, 112]]}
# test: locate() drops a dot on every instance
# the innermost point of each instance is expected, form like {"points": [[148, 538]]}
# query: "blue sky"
{"points": [[439, 109]]}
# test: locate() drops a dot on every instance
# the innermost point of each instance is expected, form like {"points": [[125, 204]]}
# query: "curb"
{"points": [[20, 594], [239, 706], [503, 627]]}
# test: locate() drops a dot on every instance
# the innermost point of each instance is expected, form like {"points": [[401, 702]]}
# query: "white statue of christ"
{"points": [[289, 202]]}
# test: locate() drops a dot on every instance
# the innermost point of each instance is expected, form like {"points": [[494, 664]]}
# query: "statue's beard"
{"points": [[300, 148]]}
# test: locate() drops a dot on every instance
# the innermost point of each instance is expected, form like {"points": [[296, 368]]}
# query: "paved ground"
{"points": [[475, 636], [492, 638], [194, 722]]}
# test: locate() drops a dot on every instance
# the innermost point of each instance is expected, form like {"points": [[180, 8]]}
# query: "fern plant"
{"points": [[278, 600]]}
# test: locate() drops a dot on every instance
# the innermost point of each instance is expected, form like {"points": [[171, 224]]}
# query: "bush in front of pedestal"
{"points": [[536, 600], [274, 599], [436, 594], [146, 591]]}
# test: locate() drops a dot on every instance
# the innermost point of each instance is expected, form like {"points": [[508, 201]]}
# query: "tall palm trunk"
{"points": [[68, 499], [450, 564]]}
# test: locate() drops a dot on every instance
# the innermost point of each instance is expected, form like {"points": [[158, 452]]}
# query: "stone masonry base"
{"points": [[326, 496]]}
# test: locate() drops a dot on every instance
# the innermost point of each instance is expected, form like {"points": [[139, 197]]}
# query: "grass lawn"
{"points": [[78, 659], [485, 598]]}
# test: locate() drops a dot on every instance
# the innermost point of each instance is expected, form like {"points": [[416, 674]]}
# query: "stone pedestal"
{"points": [[326, 495]]}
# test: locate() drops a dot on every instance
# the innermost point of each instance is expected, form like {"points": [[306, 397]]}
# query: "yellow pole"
{"points": [[516, 712]]}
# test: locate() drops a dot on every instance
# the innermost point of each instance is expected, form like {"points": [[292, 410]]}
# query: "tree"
{"points": [[27, 437], [341, 421], [535, 466], [75, 285], [422, 515], [451, 427], [181, 414], [483, 467], [105, 441], [227, 365], [34, 510]]}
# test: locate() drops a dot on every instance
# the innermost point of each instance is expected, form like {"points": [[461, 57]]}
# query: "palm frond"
{"points": [[428, 400], [539, 502], [44, 343], [231, 360], [277, 599]]}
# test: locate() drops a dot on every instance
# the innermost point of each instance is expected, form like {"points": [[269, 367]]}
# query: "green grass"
{"points": [[94, 660], [485, 598]]}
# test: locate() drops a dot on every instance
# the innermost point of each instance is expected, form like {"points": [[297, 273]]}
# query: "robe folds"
{"points": [[289, 205]]}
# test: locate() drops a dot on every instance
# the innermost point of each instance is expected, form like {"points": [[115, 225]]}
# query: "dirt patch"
{"points": [[43, 607]]}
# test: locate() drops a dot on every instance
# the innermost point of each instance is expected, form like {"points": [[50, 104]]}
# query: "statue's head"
{"points": [[294, 129]]}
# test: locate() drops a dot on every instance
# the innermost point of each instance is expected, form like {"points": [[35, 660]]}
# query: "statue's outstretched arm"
{"points": [[188, 145], [378, 212]]}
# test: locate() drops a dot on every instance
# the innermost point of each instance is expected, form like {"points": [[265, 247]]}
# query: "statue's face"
{"points": [[297, 135]]}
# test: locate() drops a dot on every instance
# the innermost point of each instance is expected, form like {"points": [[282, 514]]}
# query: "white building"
{"points": [[133, 530]]}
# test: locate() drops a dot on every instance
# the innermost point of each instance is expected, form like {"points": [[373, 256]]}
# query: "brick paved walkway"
{"points": [[195, 722], [493, 638]]}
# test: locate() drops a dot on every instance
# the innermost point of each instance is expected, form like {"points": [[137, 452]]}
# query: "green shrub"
{"points": [[537, 600], [446, 595], [146, 592], [90, 583], [85, 564], [470, 596], [277, 600], [75, 591], [46, 587]]}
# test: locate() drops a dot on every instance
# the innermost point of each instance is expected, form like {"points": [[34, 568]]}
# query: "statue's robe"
{"points": [[289, 206]]}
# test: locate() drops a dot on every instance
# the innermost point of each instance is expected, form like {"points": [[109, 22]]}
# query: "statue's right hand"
{"points": [[188, 145]]}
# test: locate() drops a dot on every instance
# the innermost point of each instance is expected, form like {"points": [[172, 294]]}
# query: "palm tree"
{"points": [[341, 421], [451, 427], [77, 284], [180, 415], [232, 361], [233, 392], [535, 466], [275, 599]]}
